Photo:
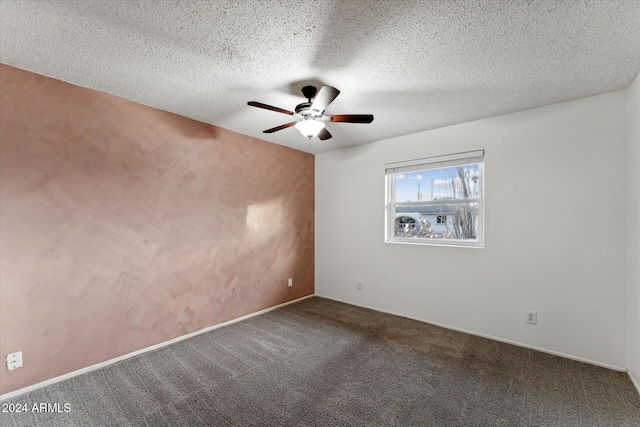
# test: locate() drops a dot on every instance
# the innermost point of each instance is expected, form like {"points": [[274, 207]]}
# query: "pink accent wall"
{"points": [[123, 226]]}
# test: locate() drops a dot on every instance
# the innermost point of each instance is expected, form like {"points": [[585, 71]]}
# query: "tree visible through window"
{"points": [[436, 200]]}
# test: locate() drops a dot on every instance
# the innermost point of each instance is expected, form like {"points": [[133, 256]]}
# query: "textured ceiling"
{"points": [[415, 65]]}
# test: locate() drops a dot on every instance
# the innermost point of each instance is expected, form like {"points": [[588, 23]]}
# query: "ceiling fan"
{"points": [[311, 118]]}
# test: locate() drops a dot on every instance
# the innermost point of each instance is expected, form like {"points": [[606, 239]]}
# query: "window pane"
{"points": [[458, 182], [437, 221]]}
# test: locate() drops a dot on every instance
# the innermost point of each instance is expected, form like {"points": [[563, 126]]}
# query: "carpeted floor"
{"points": [[323, 363]]}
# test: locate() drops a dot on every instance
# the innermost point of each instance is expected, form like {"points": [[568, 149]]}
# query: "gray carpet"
{"points": [[323, 363]]}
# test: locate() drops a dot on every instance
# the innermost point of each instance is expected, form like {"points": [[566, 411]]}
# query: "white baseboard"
{"points": [[144, 350], [519, 344], [15, 393]]}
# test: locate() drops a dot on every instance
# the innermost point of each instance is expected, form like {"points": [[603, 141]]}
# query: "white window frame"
{"points": [[391, 169]]}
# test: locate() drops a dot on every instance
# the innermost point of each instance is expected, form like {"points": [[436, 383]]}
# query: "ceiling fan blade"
{"points": [[277, 128], [324, 97], [269, 107], [351, 118], [324, 134]]}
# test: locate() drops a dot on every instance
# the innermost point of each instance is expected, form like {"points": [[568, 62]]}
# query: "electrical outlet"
{"points": [[14, 360], [532, 317], [359, 285], [290, 282]]}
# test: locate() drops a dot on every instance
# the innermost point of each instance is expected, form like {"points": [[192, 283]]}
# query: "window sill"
{"points": [[437, 242]]}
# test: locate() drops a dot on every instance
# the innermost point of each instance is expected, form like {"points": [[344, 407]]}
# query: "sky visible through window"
{"points": [[436, 184]]}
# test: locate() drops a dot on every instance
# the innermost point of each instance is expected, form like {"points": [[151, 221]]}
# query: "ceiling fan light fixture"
{"points": [[310, 127]]}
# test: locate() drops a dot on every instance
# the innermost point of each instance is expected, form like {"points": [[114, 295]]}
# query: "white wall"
{"points": [[633, 355], [552, 175]]}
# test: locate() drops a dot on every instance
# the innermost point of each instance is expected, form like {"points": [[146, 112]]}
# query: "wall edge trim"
{"points": [[491, 337], [144, 350]]}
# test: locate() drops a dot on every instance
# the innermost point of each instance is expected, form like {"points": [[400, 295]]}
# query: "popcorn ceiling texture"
{"points": [[415, 65], [124, 226]]}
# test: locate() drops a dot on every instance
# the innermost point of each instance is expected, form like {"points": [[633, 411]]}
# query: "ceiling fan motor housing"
{"points": [[304, 109]]}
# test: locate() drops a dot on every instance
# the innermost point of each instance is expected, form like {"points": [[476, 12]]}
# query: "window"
{"points": [[436, 200]]}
